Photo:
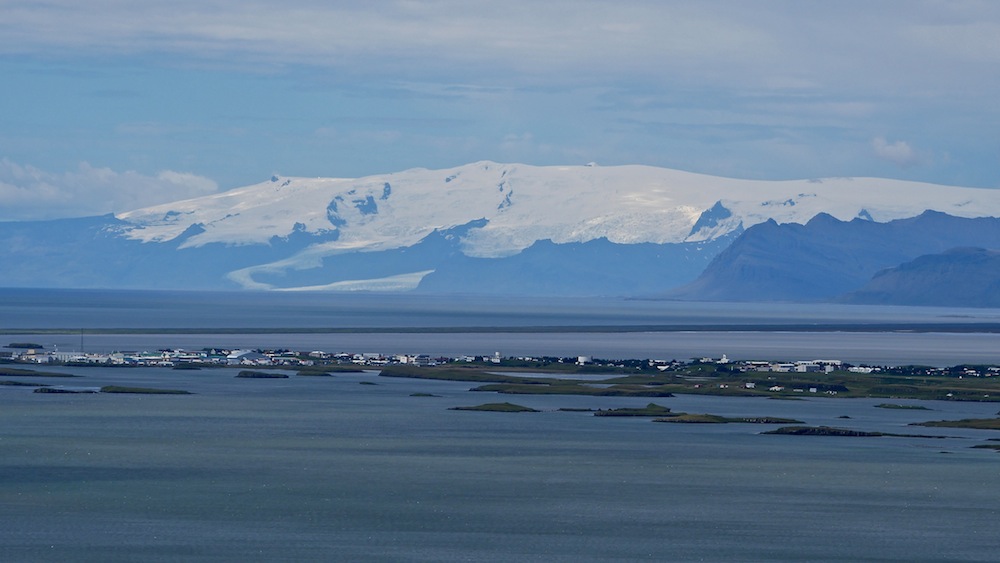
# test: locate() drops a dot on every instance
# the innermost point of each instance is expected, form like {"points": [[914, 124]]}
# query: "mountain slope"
{"points": [[593, 268], [827, 257], [960, 277]]}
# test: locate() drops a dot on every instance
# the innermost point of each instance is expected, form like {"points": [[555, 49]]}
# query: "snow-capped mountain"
{"points": [[479, 227], [518, 205]]}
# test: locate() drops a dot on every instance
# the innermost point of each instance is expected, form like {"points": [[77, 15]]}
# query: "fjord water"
{"points": [[328, 468]]}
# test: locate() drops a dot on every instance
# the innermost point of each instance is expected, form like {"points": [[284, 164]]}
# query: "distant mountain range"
{"points": [[516, 229], [827, 258], [960, 277]]}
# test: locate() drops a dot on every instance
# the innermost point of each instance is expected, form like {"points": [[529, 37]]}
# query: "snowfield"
{"points": [[523, 204]]}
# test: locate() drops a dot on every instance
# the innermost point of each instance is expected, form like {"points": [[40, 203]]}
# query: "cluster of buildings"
{"points": [[809, 366], [236, 357], [262, 358], [164, 358]]}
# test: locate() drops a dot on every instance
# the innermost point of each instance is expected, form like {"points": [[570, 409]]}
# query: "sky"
{"points": [[112, 105]]}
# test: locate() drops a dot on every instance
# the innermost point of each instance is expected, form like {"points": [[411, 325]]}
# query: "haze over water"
{"points": [[459, 325]]}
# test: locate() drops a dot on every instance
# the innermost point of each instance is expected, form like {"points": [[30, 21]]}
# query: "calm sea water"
{"points": [[615, 328], [325, 468], [75, 309]]}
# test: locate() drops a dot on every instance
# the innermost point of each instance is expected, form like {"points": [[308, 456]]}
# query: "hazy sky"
{"points": [[108, 105]]}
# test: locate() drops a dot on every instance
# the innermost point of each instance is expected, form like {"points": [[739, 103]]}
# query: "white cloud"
{"points": [[900, 152], [781, 72], [767, 44], [29, 193], [528, 36]]}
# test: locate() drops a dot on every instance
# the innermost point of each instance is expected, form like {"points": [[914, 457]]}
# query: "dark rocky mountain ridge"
{"points": [[826, 257]]}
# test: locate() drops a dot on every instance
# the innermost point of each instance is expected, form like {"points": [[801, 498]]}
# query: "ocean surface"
{"points": [[459, 325], [328, 468], [354, 467], [75, 309]]}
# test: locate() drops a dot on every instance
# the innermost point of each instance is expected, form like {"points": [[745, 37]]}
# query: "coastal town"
{"points": [[32, 353]]}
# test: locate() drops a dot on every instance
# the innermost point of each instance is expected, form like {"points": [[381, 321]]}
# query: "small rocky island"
{"points": [[250, 374], [496, 407], [831, 431]]}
